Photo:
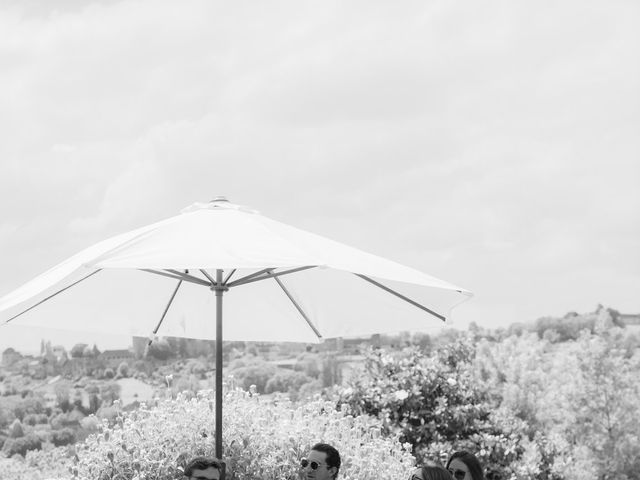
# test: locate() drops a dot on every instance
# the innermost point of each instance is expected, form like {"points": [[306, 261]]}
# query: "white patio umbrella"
{"points": [[281, 283]]}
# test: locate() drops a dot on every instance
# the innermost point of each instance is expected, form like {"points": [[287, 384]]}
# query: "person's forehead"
{"points": [[317, 456], [458, 464], [209, 472]]}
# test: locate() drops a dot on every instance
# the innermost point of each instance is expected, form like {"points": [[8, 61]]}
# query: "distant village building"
{"points": [[10, 356], [114, 357]]}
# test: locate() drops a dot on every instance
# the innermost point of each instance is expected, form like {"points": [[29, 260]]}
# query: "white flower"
{"points": [[401, 395], [452, 382]]}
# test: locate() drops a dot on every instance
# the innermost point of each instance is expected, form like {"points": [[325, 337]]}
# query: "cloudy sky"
{"points": [[492, 144]]}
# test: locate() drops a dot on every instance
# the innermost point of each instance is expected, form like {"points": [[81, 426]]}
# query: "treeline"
{"points": [[563, 329]]}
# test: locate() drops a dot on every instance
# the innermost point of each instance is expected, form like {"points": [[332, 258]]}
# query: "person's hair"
{"points": [[470, 460], [202, 463], [432, 471], [333, 456]]}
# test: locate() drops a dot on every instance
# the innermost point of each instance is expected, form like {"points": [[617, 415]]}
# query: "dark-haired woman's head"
{"points": [[430, 471], [463, 465]]}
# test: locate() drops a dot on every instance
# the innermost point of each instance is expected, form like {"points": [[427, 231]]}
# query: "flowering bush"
{"points": [[49, 464], [263, 439]]}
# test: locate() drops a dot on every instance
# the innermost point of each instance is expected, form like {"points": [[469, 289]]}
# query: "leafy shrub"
{"points": [[256, 373], [90, 423], [262, 439], [287, 381], [309, 390], [16, 430], [123, 370], [6, 416], [78, 350], [160, 349], [109, 373], [65, 436], [435, 403], [21, 445], [109, 392], [35, 419], [581, 395], [107, 413]]}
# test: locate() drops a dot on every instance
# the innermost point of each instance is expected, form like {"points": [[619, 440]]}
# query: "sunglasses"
{"points": [[457, 474], [314, 465]]}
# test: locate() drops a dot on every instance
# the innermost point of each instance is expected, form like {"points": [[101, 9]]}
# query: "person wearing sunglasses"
{"points": [[203, 468], [463, 465], [430, 471], [322, 463]]}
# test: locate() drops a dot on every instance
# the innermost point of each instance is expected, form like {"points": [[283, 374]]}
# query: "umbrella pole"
{"points": [[219, 289]]}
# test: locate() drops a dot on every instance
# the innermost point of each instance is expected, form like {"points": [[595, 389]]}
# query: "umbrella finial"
{"points": [[218, 203]]}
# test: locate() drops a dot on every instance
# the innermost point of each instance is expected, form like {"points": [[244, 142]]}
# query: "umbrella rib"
{"points": [[209, 277], [187, 277], [178, 276], [298, 307], [164, 314], [52, 295], [242, 280], [399, 295], [269, 274], [224, 282]]}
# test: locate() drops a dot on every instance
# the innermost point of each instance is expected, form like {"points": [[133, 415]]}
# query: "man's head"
{"points": [[323, 462], [203, 468]]}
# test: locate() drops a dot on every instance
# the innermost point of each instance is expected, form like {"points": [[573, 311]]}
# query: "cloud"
{"points": [[494, 145]]}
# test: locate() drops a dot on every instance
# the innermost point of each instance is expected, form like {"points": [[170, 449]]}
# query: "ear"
{"points": [[334, 471]]}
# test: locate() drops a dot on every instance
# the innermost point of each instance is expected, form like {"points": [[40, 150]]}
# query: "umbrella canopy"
{"points": [[280, 284]]}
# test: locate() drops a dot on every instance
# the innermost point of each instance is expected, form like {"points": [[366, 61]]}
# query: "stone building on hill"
{"points": [[115, 357]]}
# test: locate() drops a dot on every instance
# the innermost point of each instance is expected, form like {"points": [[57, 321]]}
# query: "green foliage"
{"points": [[287, 381], [255, 372], [582, 395], [65, 436], [16, 430], [20, 446], [109, 392], [606, 414], [53, 463], [78, 350], [436, 404], [262, 439], [123, 370], [160, 349], [35, 418], [555, 399]]}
